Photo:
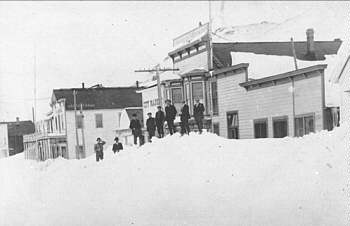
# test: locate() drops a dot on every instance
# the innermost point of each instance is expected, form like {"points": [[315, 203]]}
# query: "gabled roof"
{"points": [[100, 98], [222, 51]]}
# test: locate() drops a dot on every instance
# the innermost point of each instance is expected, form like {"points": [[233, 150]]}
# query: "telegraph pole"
{"points": [[82, 130], [211, 65], [158, 70], [76, 126], [34, 112], [294, 54]]}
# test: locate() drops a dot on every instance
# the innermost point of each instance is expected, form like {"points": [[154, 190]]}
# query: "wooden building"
{"points": [[239, 103], [15, 131], [99, 111]]}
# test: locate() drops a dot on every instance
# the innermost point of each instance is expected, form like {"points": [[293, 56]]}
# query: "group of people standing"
{"points": [[157, 123]]}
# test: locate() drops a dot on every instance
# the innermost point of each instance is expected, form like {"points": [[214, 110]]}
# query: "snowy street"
{"points": [[190, 180]]}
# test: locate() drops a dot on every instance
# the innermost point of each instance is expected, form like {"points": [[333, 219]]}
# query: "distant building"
{"points": [[99, 111], [225, 77], [11, 136]]}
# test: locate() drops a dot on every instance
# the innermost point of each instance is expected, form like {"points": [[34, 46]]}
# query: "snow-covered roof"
{"points": [[261, 66], [328, 23]]}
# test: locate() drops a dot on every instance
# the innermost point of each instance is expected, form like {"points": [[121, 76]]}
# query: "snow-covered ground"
{"points": [[190, 180]]}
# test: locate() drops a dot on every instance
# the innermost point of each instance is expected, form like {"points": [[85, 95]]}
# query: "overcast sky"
{"points": [[103, 42]]}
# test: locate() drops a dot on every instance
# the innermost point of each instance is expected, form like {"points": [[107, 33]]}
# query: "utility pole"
{"points": [[158, 70], [76, 125], [294, 54], [293, 86], [34, 115], [82, 130], [211, 65]]}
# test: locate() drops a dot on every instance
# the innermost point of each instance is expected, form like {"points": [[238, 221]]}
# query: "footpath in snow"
{"points": [[191, 180]]}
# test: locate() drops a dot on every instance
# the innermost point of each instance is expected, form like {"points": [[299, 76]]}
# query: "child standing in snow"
{"points": [[99, 149], [117, 146]]}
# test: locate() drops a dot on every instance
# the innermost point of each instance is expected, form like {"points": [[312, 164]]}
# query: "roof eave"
{"points": [[231, 68], [283, 75]]}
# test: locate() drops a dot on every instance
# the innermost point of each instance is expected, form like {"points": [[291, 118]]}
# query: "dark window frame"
{"points": [[260, 120], [303, 116], [79, 121], [96, 123], [215, 98], [280, 118]]}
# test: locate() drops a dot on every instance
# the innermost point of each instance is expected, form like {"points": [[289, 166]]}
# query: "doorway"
{"points": [[232, 125]]}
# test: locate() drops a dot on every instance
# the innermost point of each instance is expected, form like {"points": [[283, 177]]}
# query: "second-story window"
{"points": [[79, 121], [99, 120]]}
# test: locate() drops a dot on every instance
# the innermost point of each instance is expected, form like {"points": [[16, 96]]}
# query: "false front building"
{"points": [[251, 89]]}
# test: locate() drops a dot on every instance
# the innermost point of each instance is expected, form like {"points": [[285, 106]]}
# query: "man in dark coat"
{"points": [[198, 113], [135, 127], [98, 147], [151, 126], [160, 117], [170, 114], [185, 116], [117, 146]]}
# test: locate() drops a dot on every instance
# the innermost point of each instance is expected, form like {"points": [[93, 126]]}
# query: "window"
{"points": [[260, 128], [79, 121], [99, 120], [214, 90], [232, 125], [216, 128], [176, 95], [280, 127], [197, 91], [168, 94], [304, 125]]}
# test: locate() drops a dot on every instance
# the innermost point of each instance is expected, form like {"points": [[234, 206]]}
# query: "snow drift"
{"points": [[191, 180]]}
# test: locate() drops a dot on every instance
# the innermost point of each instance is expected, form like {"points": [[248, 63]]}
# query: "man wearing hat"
{"points": [[198, 113], [185, 116], [170, 114], [151, 126], [135, 127], [99, 149], [160, 117]]}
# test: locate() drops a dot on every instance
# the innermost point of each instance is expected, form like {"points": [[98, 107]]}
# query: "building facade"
{"points": [[12, 135], [240, 99], [275, 106], [78, 117]]}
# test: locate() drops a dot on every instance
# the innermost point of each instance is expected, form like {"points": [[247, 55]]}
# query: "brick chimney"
{"points": [[83, 85], [310, 44]]}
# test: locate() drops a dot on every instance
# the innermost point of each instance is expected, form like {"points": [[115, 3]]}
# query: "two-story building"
{"points": [[78, 117], [11, 136], [233, 80]]}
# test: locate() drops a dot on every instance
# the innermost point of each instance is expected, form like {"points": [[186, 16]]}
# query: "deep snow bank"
{"points": [[190, 180]]}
